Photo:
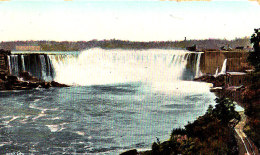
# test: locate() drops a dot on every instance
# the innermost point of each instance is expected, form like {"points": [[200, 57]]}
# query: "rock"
{"points": [[27, 77], [218, 81], [206, 78], [3, 77], [56, 84], [130, 152], [45, 85], [33, 84], [23, 84], [2, 85], [12, 78], [10, 82]]}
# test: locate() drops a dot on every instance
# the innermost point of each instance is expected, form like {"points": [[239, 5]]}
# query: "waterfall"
{"points": [[44, 69], [37, 65], [224, 67], [50, 72], [23, 65], [98, 66], [9, 64], [198, 65], [13, 64], [216, 74]]}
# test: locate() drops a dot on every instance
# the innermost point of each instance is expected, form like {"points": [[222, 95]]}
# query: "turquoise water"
{"points": [[102, 118]]}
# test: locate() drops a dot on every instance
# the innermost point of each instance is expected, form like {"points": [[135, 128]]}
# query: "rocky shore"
{"points": [[24, 82]]}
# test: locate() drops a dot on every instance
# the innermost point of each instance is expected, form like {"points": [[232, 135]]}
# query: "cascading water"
{"points": [[198, 65], [98, 66], [216, 74], [37, 65], [13, 61], [126, 98], [224, 67], [23, 65], [45, 68], [9, 63]]}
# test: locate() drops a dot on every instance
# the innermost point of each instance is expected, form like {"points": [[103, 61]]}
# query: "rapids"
{"points": [[118, 100]]}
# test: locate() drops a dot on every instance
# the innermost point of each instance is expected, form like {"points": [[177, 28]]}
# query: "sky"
{"points": [[80, 20]]}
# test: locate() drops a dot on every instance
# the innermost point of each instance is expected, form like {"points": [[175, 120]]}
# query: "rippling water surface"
{"points": [[94, 119], [117, 102]]}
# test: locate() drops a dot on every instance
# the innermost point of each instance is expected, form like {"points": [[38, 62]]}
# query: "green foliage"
{"points": [[251, 95], [178, 131], [225, 110], [253, 133], [255, 39], [254, 57], [209, 134], [254, 80], [155, 147], [210, 109]]}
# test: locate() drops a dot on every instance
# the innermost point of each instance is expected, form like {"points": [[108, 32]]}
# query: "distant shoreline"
{"points": [[208, 44]]}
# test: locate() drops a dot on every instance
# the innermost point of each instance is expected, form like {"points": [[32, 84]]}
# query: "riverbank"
{"points": [[239, 142], [246, 93], [205, 134], [211, 133]]}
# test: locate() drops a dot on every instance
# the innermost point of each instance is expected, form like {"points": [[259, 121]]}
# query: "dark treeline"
{"points": [[124, 44], [252, 93]]}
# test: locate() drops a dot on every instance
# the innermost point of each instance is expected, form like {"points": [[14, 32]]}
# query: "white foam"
{"points": [[42, 114], [53, 128], [224, 67], [98, 66], [80, 133], [56, 127]]}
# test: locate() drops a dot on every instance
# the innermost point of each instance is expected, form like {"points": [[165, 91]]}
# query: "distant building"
{"points": [[28, 48]]}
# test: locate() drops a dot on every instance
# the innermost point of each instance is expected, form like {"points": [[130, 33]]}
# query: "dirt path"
{"points": [[245, 145]]}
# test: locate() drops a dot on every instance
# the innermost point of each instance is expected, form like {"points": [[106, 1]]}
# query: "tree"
{"points": [[251, 95], [225, 110], [254, 56]]}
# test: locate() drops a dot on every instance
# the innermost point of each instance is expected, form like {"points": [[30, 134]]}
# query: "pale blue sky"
{"points": [[127, 20]]}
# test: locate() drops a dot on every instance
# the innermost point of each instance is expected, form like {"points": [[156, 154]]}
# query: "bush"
{"points": [[209, 134], [254, 56]]}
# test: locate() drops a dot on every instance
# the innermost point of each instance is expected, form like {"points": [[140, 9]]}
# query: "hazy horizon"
{"points": [[127, 20]]}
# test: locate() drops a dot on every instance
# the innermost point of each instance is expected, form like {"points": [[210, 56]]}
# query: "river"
{"points": [[118, 100]]}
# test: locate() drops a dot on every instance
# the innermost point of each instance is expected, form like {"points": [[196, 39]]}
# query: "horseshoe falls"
{"points": [[118, 100]]}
